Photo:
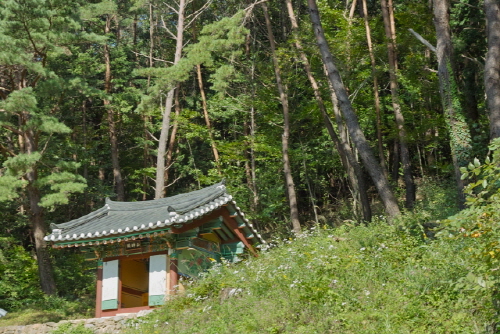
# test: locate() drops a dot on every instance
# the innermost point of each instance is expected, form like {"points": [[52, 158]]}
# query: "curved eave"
{"points": [[247, 222], [111, 240], [175, 219]]}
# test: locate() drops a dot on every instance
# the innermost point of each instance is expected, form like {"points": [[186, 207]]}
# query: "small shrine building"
{"points": [[143, 248]]}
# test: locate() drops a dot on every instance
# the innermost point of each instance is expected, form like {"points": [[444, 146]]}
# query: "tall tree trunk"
{"points": [[45, 271], [375, 89], [492, 65], [460, 139], [348, 159], [117, 175], [290, 186], [173, 134], [357, 136], [390, 34], [207, 119], [162, 145], [253, 127], [146, 119], [151, 39]]}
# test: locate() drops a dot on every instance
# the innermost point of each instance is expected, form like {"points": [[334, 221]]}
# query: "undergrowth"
{"points": [[50, 309], [353, 279], [378, 278]]}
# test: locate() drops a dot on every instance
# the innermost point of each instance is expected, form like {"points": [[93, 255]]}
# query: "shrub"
{"points": [[477, 227], [19, 285]]}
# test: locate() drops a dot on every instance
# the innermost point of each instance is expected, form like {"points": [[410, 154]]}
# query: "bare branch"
{"points": [[197, 13], [168, 30], [157, 59], [423, 40], [168, 185], [172, 8], [152, 136], [46, 144], [474, 61], [430, 69], [249, 9]]}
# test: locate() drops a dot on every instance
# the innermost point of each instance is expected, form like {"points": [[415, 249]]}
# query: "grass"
{"points": [[354, 279], [50, 309], [376, 279]]}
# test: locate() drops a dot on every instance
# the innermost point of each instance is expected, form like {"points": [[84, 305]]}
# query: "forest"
{"points": [[317, 112]]}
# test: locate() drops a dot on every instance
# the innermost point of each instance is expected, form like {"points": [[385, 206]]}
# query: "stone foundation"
{"points": [[97, 325]]}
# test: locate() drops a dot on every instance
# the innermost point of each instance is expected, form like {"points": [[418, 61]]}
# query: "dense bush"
{"points": [[19, 276], [478, 226], [20, 289]]}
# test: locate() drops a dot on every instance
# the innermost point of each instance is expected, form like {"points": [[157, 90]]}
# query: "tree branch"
{"points": [[477, 62], [423, 40], [152, 136], [197, 13], [172, 8], [168, 30], [12, 129], [249, 9], [158, 59], [6, 151]]}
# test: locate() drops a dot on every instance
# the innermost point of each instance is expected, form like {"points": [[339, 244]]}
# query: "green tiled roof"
{"points": [[119, 219]]}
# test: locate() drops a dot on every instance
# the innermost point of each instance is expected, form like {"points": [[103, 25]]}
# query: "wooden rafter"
{"points": [[231, 223]]}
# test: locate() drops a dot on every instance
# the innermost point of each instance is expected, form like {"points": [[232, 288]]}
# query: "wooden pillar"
{"points": [[173, 273], [98, 295]]}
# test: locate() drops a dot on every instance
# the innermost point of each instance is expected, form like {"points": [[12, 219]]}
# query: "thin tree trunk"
{"points": [[395, 160], [390, 34], [207, 119], [348, 159], [349, 33], [460, 139], [145, 117], [375, 89], [290, 186], [134, 39], [162, 145], [117, 175], [173, 134], [492, 65], [358, 137], [253, 125], [311, 194], [151, 39], [250, 128]]}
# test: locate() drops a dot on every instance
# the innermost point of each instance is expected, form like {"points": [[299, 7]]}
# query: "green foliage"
{"points": [[61, 184], [353, 279], [478, 225], [221, 38], [20, 164], [9, 186], [18, 270], [460, 137], [75, 280], [19, 287]]}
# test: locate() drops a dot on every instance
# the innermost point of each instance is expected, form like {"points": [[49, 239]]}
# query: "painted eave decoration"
{"points": [[124, 221]]}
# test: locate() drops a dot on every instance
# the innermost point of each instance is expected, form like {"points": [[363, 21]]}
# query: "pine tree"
{"points": [[34, 36]]}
